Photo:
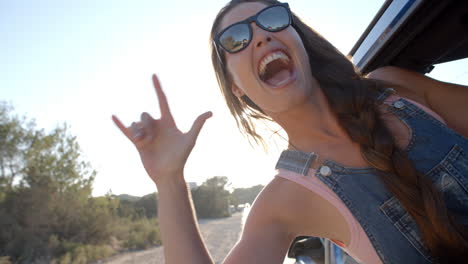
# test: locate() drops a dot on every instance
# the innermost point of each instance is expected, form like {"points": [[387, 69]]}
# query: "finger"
{"points": [[138, 132], [198, 124], [163, 105], [145, 116], [148, 122], [122, 127]]}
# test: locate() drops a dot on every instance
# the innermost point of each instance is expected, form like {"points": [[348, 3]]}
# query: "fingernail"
{"points": [[138, 135]]}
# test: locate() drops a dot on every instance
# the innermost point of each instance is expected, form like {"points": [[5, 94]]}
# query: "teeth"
{"points": [[273, 56]]}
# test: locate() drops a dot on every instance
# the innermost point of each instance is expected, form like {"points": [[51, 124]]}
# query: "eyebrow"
{"points": [[244, 20]]}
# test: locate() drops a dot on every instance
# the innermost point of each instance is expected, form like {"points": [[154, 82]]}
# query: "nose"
{"points": [[261, 42], [260, 37]]}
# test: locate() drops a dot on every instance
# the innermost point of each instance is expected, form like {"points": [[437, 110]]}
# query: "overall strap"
{"points": [[384, 95]]}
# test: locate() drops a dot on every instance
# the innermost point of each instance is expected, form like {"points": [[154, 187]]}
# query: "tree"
{"points": [[149, 204], [211, 199], [137, 207], [245, 195], [14, 141], [47, 213], [45, 192]]}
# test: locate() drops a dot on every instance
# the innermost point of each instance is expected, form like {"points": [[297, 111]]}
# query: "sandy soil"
{"points": [[220, 235]]}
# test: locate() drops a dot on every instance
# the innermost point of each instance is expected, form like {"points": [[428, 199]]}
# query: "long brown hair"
{"points": [[352, 98]]}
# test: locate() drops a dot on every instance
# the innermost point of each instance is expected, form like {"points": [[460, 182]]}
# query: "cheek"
{"points": [[240, 71], [300, 54], [294, 41]]}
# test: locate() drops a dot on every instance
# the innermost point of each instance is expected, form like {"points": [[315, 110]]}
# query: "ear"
{"points": [[236, 90]]}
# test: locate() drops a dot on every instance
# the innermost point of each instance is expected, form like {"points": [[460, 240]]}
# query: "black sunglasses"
{"points": [[237, 36]]}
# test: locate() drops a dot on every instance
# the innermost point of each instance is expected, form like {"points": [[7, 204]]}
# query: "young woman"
{"points": [[383, 175]]}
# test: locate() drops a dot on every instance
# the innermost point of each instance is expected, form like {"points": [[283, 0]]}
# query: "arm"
{"points": [[163, 150], [447, 99], [179, 229], [267, 232]]}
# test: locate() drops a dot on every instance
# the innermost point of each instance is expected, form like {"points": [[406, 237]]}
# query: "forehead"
{"points": [[241, 12]]}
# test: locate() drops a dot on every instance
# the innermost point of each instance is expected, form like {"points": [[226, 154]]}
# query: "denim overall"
{"points": [[435, 150]]}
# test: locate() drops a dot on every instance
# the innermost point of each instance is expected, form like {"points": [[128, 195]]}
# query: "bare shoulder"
{"points": [[270, 207], [281, 200], [409, 84], [274, 202], [446, 99], [282, 211], [266, 227], [298, 210]]}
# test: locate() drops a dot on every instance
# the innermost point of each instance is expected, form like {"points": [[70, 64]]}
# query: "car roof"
{"points": [[414, 34]]}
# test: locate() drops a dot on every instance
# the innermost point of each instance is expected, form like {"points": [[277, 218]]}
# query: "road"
{"points": [[220, 235]]}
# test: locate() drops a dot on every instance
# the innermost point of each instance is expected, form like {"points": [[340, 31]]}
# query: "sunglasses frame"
{"points": [[248, 21]]}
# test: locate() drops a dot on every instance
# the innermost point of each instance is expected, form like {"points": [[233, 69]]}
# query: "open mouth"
{"points": [[276, 69]]}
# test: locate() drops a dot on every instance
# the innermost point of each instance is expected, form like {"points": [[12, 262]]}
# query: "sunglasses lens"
{"points": [[235, 38], [274, 18]]}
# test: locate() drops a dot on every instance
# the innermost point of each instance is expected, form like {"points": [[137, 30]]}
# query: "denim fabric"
{"points": [[436, 151]]}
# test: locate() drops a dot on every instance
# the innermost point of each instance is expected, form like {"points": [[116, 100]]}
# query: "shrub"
{"points": [[141, 234], [82, 254]]}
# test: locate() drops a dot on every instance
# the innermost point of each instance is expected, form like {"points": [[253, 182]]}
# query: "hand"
{"points": [[163, 148]]}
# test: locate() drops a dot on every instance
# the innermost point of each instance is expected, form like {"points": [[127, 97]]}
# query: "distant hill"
{"points": [[135, 205], [128, 197]]}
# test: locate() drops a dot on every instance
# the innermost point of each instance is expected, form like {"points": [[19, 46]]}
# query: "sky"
{"points": [[79, 62]]}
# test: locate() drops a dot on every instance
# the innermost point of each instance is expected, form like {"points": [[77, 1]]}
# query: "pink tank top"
{"points": [[360, 247]]}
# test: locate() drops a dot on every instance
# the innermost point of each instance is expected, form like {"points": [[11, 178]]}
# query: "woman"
{"points": [[378, 174]]}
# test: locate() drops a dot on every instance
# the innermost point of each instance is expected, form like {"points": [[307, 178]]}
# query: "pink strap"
{"points": [[393, 98]]}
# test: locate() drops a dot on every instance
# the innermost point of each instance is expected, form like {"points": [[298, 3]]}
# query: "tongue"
{"points": [[279, 78]]}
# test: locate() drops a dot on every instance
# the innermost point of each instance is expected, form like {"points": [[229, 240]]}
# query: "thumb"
{"points": [[198, 124]]}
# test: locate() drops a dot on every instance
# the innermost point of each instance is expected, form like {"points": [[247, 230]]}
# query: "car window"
{"points": [[452, 71]]}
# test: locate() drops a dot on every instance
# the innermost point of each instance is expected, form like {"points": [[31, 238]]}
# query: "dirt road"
{"points": [[220, 235]]}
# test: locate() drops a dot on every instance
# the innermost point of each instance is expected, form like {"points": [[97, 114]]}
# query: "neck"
{"points": [[312, 125]]}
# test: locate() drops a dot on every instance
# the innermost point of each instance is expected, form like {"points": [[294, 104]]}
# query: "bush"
{"points": [[82, 254], [138, 234], [66, 259], [47, 212]]}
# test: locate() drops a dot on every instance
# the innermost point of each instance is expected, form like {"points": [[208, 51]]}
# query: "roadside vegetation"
{"points": [[47, 212]]}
